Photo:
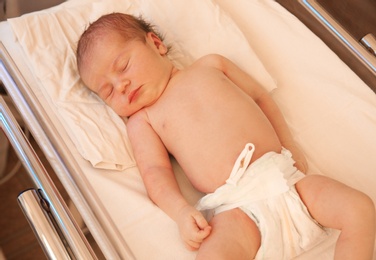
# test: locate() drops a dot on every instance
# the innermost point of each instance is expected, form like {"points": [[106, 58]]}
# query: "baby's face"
{"points": [[127, 75]]}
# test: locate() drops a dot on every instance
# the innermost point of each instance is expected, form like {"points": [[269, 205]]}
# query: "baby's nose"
{"points": [[122, 86]]}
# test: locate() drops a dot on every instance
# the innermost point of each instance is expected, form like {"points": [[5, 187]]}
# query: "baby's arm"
{"points": [[264, 101], [273, 113], [156, 171]]}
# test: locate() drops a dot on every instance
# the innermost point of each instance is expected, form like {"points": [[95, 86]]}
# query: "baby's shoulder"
{"points": [[138, 118], [210, 60]]}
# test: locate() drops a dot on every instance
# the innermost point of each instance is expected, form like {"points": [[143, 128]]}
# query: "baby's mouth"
{"points": [[133, 95]]}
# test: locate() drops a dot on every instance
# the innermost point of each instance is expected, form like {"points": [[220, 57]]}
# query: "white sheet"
{"points": [[331, 112], [108, 148]]}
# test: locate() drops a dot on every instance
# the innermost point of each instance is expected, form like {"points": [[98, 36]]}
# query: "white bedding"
{"points": [[331, 112], [65, 25]]}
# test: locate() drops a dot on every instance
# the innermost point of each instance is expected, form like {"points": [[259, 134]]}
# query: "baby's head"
{"points": [[123, 60], [128, 26]]}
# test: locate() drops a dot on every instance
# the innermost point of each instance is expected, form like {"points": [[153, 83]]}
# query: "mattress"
{"points": [[331, 112]]}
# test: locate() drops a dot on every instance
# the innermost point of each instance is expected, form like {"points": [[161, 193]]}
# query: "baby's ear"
{"points": [[157, 42]]}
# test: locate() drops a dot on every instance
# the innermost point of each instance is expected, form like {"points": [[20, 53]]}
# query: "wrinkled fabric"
{"points": [[265, 191]]}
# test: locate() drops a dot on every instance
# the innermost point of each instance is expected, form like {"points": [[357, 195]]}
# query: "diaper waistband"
{"points": [[270, 175], [242, 163]]}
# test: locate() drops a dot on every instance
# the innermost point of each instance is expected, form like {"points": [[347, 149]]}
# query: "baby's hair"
{"points": [[128, 26]]}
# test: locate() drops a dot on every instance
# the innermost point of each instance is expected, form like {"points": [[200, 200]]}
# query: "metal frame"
{"points": [[36, 211], [50, 142], [341, 34], [75, 238]]}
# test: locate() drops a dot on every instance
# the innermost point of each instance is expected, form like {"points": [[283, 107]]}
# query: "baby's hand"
{"points": [[193, 227]]}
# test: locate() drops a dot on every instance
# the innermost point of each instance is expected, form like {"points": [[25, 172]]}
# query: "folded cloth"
{"points": [[265, 191], [49, 39]]}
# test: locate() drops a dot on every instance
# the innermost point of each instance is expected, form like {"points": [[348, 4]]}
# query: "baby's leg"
{"points": [[234, 236], [338, 206]]}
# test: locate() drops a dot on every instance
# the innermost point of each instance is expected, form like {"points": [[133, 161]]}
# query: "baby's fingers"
{"points": [[201, 221], [192, 246], [195, 243], [203, 233]]}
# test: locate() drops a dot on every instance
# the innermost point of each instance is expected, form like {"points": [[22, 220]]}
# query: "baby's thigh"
{"points": [[331, 203], [234, 236]]}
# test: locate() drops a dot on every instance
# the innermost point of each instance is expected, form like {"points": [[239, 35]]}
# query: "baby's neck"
{"points": [[173, 72]]}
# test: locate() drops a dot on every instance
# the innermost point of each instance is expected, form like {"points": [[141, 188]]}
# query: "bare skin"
{"points": [[204, 115]]}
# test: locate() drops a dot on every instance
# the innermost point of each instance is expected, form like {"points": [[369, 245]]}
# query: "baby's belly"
{"points": [[214, 162], [208, 128]]}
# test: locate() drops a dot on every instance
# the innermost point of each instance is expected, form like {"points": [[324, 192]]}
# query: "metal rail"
{"points": [[341, 34], [76, 241], [50, 141], [37, 213]]}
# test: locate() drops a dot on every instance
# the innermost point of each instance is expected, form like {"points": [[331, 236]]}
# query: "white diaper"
{"points": [[266, 192]]}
